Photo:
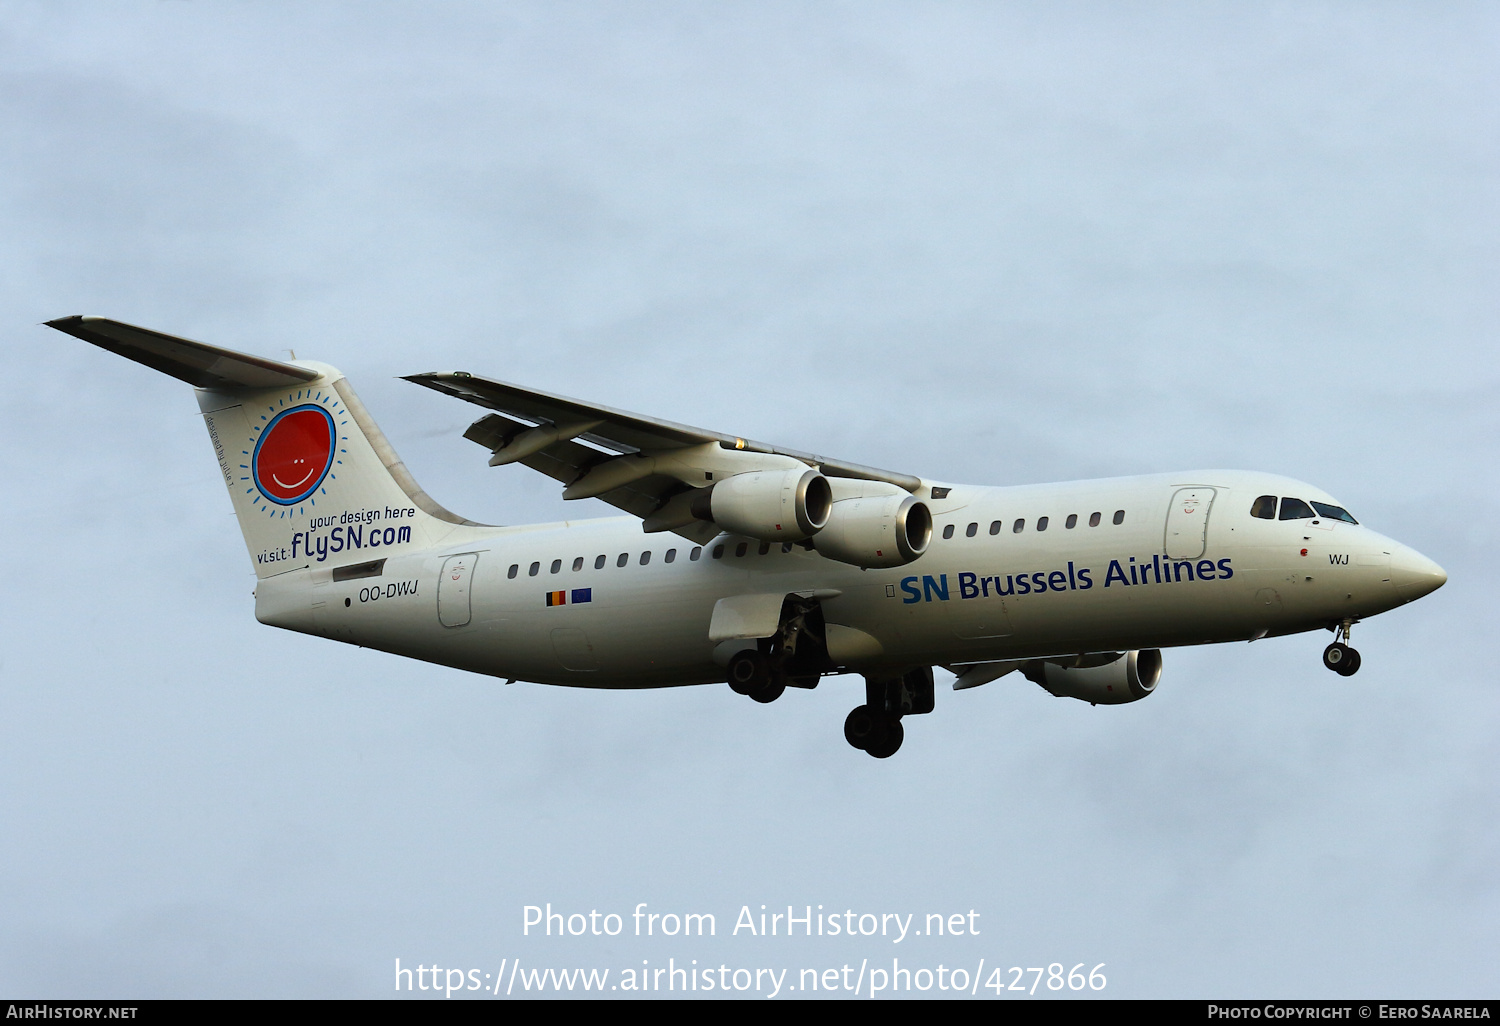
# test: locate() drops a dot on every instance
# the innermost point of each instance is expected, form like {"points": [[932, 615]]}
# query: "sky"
{"points": [[989, 243]]}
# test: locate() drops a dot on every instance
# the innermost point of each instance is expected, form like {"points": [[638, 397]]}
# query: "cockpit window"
{"points": [[1334, 512], [1264, 507], [1295, 509]]}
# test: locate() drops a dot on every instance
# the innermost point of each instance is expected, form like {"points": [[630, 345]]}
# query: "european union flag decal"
{"points": [[582, 595]]}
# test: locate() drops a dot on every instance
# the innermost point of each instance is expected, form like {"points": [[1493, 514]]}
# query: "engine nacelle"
{"points": [[1127, 678], [772, 505], [876, 530]]}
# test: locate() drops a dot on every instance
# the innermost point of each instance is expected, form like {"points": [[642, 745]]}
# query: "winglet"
{"points": [[197, 363]]}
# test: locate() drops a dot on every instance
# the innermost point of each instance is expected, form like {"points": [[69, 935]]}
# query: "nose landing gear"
{"points": [[1339, 656]]}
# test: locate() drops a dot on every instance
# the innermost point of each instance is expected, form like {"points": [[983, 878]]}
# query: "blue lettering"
{"points": [[909, 585], [322, 547], [1056, 579], [967, 586], [1010, 586], [404, 534], [1084, 584], [1115, 573], [1023, 584], [356, 537], [1177, 569], [1039, 582], [338, 540], [296, 540], [1224, 572], [931, 587], [1205, 569]]}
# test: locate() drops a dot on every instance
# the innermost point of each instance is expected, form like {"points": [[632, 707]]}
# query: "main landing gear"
{"points": [[1339, 657], [795, 656], [875, 727]]}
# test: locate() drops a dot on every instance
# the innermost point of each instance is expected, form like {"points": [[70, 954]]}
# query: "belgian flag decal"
{"points": [[560, 598]]}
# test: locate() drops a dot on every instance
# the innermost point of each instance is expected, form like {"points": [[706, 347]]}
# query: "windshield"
{"points": [[1334, 512], [1295, 509]]}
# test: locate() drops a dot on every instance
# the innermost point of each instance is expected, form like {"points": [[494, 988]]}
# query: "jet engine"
{"points": [[1128, 677], [772, 505], [880, 530]]}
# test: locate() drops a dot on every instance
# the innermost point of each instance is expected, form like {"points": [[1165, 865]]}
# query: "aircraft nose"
{"points": [[1414, 575]]}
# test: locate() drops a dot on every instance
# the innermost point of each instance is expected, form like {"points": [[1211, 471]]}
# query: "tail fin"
{"points": [[312, 478]]}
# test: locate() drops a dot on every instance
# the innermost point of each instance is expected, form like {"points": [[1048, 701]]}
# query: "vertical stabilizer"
{"points": [[313, 480]]}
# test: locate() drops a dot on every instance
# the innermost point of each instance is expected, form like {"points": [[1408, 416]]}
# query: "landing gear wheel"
{"points": [[862, 728], [894, 735], [1351, 664], [769, 691], [749, 671], [1339, 655]]}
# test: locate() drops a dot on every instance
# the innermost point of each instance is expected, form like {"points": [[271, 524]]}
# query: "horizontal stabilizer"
{"points": [[197, 363]]}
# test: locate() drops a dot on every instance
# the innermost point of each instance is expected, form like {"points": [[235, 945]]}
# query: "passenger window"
{"points": [[1264, 507], [1018, 526], [947, 532], [973, 529], [671, 556], [645, 558], [1334, 512], [1094, 520], [765, 547], [1119, 517], [578, 564], [994, 527], [786, 546], [599, 563], [718, 552], [622, 559], [556, 565], [1295, 509], [1071, 522], [741, 549], [514, 569], [1041, 523], [697, 551], [534, 568]]}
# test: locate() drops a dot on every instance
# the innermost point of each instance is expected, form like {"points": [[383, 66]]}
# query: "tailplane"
{"points": [[312, 478]]}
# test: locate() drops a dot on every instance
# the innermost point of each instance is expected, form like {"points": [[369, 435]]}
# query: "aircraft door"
{"points": [[1187, 523], [454, 586]]}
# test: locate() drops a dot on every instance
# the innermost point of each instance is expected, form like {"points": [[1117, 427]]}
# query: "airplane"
{"points": [[749, 564]]}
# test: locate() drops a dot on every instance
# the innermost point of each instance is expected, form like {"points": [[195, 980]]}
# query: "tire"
{"points": [[1336, 657], [769, 691], [894, 735], [863, 728], [1350, 665], [748, 671]]}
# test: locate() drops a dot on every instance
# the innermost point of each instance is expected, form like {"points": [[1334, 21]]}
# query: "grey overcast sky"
{"points": [[991, 243]]}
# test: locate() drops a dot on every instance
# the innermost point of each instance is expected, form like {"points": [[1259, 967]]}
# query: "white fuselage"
{"points": [[1186, 564]]}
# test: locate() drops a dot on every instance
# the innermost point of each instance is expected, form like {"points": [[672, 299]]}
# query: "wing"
{"points": [[644, 466]]}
